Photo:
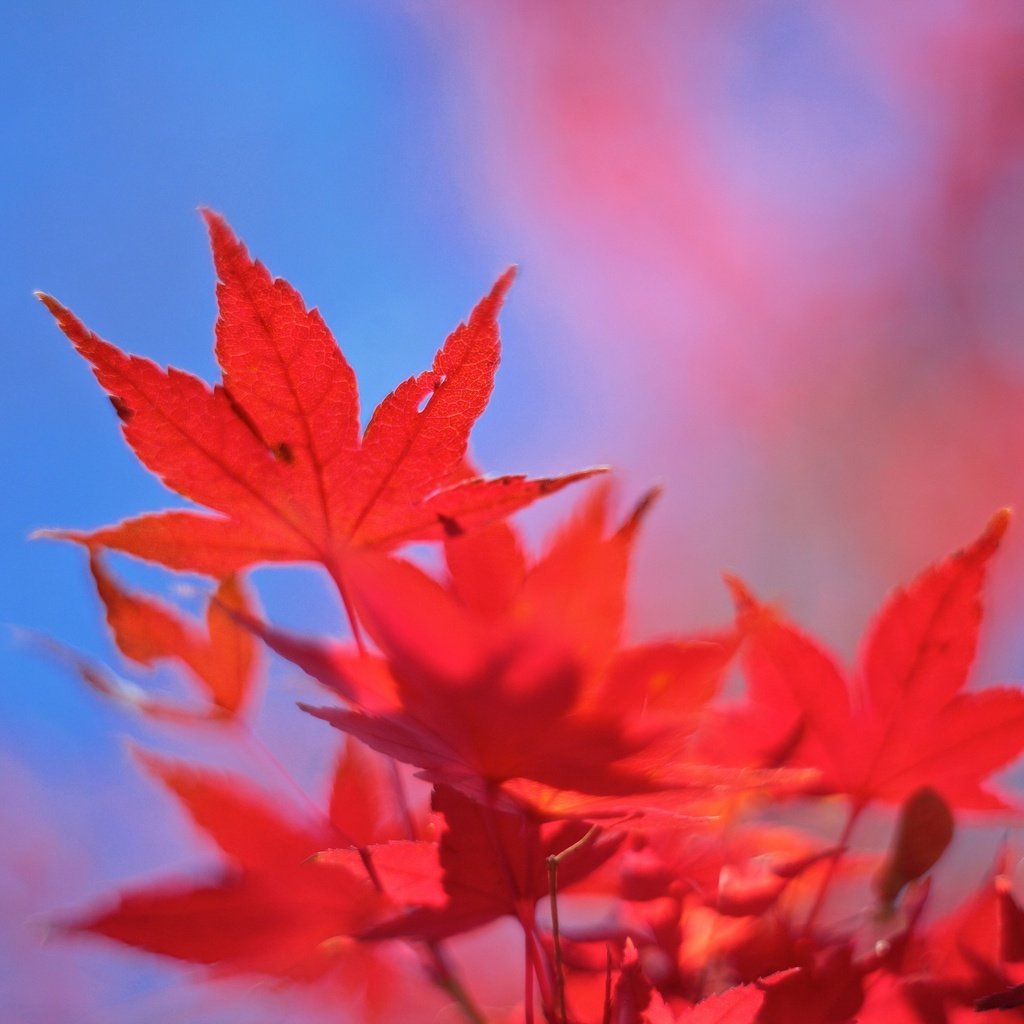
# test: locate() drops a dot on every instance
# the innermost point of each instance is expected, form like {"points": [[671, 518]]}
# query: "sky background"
{"points": [[769, 259]]}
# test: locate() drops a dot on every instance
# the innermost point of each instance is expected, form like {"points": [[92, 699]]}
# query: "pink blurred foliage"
{"points": [[36, 872], [787, 237]]}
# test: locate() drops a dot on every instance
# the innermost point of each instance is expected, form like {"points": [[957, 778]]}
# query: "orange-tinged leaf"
{"points": [[221, 657], [276, 449], [231, 656]]}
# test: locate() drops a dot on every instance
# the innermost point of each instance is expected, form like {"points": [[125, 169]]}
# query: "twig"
{"points": [[554, 860]]}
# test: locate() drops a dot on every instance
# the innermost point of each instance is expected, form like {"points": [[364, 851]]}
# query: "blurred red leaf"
{"points": [[222, 657], [902, 722], [543, 659], [495, 864]]}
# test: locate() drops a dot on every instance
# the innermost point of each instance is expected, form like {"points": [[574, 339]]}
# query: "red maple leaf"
{"points": [[494, 863], [527, 680], [272, 909], [634, 1001], [901, 721], [221, 657], [275, 450]]}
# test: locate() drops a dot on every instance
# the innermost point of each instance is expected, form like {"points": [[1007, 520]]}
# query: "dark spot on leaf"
{"points": [[1008, 1000], [284, 453], [239, 411], [121, 407], [450, 526]]}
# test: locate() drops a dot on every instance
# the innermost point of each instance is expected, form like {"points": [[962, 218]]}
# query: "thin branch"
{"points": [[553, 861], [350, 612]]}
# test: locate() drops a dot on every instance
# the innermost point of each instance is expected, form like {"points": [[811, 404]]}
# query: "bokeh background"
{"points": [[770, 259]]}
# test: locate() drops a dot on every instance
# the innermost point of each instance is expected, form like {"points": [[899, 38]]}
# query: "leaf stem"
{"points": [[442, 972], [408, 822], [449, 981], [555, 934], [259, 749], [553, 861], [346, 599], [528, 972], [524, 910], [607, 1017], [538, 962]]}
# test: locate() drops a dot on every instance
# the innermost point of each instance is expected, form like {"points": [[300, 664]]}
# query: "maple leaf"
{"points": [[363, 798], [272, 911], [634, 1001], [738, 1005], [494, 863], [221, 657], [827, 989], [276, 907], [532, 684], [901, 722], [275, 451]]}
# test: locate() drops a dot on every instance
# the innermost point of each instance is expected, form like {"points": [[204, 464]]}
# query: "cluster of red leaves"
{"points": [[602, 794]]}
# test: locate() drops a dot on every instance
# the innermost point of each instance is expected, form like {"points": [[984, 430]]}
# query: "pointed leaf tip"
{"points": [[996, 529], [640, 510], [742, 597], [218, 228], [501, 287], [51, 304], [211, 216], [55, 533]]}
